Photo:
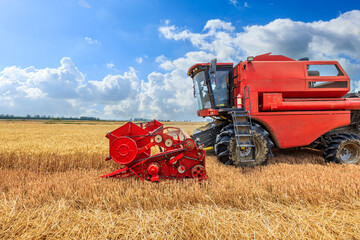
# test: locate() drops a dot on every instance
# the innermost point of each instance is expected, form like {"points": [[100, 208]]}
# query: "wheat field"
{"points": [[50, 189]]}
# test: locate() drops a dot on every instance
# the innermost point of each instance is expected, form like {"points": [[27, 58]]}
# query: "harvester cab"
{"points": [[212, 85], [273, 100]]}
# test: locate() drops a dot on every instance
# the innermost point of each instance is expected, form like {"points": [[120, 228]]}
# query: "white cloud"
{"points": [[139, 60], [218, 37], [110, 65], [89, 40], [112, 89], [84, 4], [32, 93], [160, 59], [320, 39], [233, 2], [170, 95], [64, 91], [39, 91], [216, 24]]}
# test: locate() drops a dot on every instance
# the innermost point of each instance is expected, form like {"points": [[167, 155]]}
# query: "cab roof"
{"points": [[200, 66], [264, 57]]}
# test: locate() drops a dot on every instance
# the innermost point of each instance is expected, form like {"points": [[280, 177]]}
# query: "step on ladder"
{"points": [[243, 130]]}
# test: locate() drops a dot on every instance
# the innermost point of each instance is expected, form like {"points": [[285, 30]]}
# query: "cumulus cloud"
{"points": [[160, 59], [170, 95], [217, 38], [317, 40], [63, 90], [112, 89], [321, 39], [39, 91]]}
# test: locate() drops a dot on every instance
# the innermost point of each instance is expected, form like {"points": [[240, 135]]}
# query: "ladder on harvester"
{"points": [[244, 135]]}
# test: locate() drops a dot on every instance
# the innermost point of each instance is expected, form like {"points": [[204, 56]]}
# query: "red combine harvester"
{"points": [[275, 101], [267, 101]]}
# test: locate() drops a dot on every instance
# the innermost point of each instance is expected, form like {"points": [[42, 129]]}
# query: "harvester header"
{"points": [[152, 152]]}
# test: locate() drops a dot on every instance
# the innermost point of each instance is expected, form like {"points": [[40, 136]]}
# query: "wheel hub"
{"points": [[348, 153], [244, 151], [345, 154]]}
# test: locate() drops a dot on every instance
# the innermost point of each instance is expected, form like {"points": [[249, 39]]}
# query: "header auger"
{"points": [[152, 152]]}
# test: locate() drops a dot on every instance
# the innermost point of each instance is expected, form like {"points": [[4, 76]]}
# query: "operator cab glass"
{"points": [[219, 83], [201, 91], [212, 90]]}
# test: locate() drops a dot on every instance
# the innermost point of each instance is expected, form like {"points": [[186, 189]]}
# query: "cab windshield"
{"points": [[218, 94], [201, 91], [219, 83]]}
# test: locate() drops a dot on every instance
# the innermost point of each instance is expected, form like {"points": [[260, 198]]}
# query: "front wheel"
{"points": [[243, 157], [342, 148]]}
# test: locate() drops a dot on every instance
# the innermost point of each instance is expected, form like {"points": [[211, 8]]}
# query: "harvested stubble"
{"points": [[45, 194]]}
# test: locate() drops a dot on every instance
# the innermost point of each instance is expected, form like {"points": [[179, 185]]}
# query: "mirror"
{"points": [[212, 69]]}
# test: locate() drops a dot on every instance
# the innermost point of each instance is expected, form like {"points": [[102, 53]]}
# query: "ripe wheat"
{"points": [[50, 188]]}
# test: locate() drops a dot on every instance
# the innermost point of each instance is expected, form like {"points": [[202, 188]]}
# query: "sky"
{"points": [[121, 59]]}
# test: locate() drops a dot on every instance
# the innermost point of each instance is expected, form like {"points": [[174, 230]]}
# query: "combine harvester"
{"points": [[264, 102]]}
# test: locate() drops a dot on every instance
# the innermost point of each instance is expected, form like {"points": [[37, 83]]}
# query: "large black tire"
{"points": [[222, 144], [342, 148], [263, 145]]}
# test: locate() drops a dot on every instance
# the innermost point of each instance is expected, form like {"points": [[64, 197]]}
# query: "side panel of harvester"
{"points": [[296, 129], [286, 99]]}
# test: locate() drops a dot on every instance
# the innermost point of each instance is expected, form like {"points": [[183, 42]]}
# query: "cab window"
{"points": [[328, 70]]}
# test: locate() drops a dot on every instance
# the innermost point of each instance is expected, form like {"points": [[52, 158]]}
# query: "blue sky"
{"points": [[121, 59]]}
